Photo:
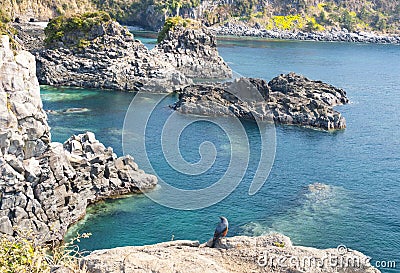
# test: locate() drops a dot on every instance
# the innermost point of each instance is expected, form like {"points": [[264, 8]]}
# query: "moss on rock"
{"points": [[7, 29], [74, 30], [172, 22]]}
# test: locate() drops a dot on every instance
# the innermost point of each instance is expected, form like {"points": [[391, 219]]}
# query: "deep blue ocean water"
{"points": [[360, 165]]}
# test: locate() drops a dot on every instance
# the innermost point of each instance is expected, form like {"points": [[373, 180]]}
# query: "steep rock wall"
{"points": [[46, 186]]}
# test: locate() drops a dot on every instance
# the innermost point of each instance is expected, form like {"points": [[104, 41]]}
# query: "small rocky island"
{"points": [[46, 186], [93, 51], [286, 99]]}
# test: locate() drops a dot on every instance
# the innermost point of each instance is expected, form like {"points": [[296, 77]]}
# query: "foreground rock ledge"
{"points": [[241, 254], [286, 99]]}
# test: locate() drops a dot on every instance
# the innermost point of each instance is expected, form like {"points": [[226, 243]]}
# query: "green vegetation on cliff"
{"points": [[23, 254], [137, 11], [378, 15], [43, 9], [172, 22], [60, 28], [6, 29]]}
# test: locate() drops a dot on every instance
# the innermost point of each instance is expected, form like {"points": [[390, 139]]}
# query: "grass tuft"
{"points": [[24, 253]]}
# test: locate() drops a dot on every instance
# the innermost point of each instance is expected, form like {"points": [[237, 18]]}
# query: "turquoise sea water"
{"points": [[360, 165]]}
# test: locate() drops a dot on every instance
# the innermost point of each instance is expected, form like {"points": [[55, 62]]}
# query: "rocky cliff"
{"points": [[193, 51], [241, 254], [44, 185], [108, 57], [286, 99]]}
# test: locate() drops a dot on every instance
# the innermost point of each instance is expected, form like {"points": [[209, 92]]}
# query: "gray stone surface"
{"points": [[46, 186], [240, 254], [112, 60], [193, 51], [22, 119], [286, 99]]}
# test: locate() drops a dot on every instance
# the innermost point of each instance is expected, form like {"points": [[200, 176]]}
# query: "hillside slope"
{"points": [[43, 9], [370, 15]]}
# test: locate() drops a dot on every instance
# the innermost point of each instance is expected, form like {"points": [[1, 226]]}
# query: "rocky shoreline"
{"points": [[46, 186], [286, 99], [243, 30]]}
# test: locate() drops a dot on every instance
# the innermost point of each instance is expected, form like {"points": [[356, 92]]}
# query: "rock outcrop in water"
{"points": [[286, 99], [193, 51], [241, 254], [46, 185], [109, 58]]}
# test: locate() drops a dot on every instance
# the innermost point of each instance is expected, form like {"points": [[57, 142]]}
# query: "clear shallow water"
{"points": [[360, 164]]}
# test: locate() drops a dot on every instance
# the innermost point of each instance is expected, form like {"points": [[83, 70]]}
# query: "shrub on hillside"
{"points": [[82, 23], [171, 23], [23, 254]]}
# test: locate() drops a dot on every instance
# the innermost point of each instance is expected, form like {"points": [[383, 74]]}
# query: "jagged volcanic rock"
{"points": [[241, 254], [286, 99], [110, 58], [46, 186]]}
